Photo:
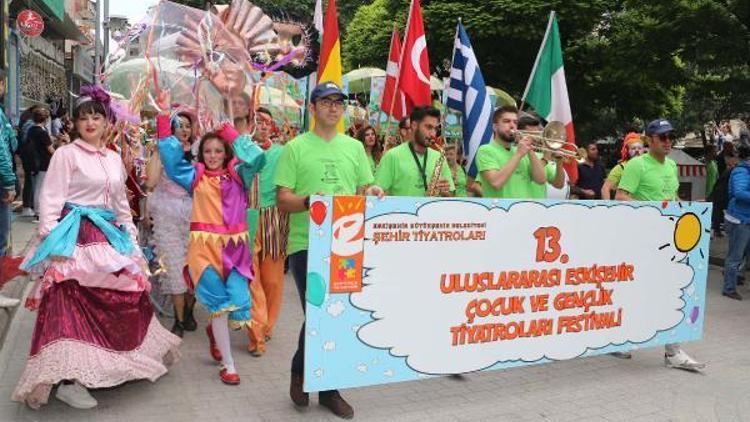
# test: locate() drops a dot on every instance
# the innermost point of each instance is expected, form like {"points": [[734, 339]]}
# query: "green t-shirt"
{"points": [[267, 185], [371, 160], [309, 164], [712, 173], [616, 174], [461, 183], [540, 191], [646, 179], [399, 175], [520, 184]]}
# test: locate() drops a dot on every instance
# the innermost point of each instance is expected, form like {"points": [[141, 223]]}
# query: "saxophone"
{"points": [[432, 189]]}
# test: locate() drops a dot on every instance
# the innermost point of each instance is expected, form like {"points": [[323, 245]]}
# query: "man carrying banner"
{"points": [[321, 161], [653, 177], [410, 168], [508, 167]]}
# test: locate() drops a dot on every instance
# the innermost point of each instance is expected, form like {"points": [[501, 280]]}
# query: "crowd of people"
{"points": [[228, 212]]}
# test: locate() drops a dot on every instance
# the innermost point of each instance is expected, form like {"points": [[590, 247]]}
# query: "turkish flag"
{"points": [[399, 109], [415, 67]]}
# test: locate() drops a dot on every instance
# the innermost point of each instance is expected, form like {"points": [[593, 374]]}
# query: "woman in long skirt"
{"points": [[95, 327]]}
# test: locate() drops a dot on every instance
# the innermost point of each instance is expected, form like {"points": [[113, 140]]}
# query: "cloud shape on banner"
{"points": [[413, 317]]}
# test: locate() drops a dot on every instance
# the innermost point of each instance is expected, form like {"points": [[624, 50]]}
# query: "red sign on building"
{"points": [[30, 23]]}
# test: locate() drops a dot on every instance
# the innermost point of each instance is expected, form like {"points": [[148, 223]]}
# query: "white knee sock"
{"points": [[220, 327]]}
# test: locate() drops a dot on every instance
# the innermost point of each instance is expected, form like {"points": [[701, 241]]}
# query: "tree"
{"points": [[625, 60]]}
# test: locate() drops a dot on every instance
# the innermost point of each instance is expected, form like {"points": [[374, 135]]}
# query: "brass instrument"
{"points": [[553, 138], [432, 188]]}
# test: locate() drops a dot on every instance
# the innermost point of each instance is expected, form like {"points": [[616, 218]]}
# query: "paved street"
{"points": [[588, 389]]}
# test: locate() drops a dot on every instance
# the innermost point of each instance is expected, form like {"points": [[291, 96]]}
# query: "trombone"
{"points": [[553, 139]]}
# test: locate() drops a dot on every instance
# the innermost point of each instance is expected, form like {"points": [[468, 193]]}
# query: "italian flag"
{"points": [[547, 91]]}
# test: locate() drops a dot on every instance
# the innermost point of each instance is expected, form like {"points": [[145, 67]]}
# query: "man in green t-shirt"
{"points": [[553, 171], [653, 177], [321, 161], [408, 169], [508, 166]]}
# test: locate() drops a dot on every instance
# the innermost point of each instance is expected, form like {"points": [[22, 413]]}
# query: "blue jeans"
{"points": [[4, 225], [739, 239]]}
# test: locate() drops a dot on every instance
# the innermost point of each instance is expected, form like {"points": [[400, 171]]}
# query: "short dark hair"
{"points": [[743, 152], [419, 113], [229, 153], [264, 111], [40, 115], [502, 110], [527, 120], [404, 123]]}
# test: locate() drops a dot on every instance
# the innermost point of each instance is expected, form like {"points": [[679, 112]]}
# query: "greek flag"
{"points": [[468, 94]]}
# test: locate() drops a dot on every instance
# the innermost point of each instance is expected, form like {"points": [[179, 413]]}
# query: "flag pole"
{"points": [[400, 63], [538, 58], [380, 110]]}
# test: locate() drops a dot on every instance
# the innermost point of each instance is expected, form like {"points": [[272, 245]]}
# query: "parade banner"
{"points": [[452, 286]]}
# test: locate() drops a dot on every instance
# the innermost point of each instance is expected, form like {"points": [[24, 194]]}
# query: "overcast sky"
{"points": [[134, 10]]}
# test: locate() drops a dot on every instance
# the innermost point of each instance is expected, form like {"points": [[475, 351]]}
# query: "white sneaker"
{"points": [[8, 302], [75, 395], [27, 212], [682, 360]]}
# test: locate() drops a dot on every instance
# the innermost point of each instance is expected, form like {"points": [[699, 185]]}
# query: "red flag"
{"points": [[399, 108], [415, 65]]}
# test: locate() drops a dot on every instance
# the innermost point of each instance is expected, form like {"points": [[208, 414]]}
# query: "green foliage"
{"points": [[625, 60]]}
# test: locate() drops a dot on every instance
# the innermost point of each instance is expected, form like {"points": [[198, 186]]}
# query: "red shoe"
{"points": [[215, 353], [227, 378]]}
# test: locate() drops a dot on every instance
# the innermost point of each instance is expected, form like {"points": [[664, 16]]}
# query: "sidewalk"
{"points": [[22, 231], [589, 389]]}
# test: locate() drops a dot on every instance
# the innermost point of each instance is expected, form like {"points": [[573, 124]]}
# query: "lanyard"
{"points": [[421, 166]]}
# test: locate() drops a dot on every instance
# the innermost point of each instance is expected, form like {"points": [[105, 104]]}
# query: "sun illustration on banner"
{"points": [[687, 234]]}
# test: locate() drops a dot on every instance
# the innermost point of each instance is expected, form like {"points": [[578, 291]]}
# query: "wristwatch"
{"points": [[307, 202]]}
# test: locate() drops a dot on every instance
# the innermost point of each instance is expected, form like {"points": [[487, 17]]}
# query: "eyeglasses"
{"points": [[664, 137], [328, 103]]}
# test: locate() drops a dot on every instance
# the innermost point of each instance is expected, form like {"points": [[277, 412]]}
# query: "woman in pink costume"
{"points": [[95, 327]]}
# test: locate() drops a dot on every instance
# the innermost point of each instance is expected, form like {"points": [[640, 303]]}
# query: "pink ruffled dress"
{"points": [[94, 320]]}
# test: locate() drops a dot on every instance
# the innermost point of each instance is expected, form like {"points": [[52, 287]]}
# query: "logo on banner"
{"points": [[30, 23], [347, 244]]}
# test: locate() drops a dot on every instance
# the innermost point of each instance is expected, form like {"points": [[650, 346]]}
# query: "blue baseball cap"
{"points": [[326, 89], [659, 127]]}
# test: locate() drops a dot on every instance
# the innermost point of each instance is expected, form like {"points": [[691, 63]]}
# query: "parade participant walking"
{"points": [[269, 229], [218, 257], [464, 184], [632, 146], [169, 206], [653, 177], [591, 174], [95, 327], [553, 171], [373, 146], [321, 161], [737, 222], [508, 166], [408, 169]]}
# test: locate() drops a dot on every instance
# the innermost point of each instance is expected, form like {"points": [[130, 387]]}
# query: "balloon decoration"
{"points": [[316, 289], [318, 211]]}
